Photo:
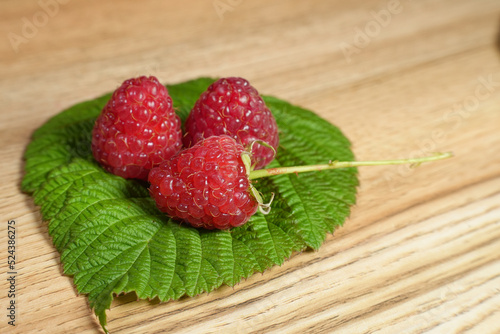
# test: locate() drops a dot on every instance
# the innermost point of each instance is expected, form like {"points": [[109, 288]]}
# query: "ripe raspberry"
{"points": [[206, 185], [137, 129], [231, 106]]}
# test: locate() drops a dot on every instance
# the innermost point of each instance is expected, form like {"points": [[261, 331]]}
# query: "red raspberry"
{"points": [[231, 106], [206, 185], [137, 129]]}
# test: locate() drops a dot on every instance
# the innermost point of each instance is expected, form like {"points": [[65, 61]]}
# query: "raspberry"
{"points": [[137, 129], [206, 185], [231, 106]]}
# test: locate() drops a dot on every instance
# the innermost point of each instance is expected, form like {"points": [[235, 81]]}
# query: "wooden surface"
{"points": [[421, 251]]}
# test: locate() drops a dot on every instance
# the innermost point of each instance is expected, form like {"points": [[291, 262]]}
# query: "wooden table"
{"points": [[421, 251]]}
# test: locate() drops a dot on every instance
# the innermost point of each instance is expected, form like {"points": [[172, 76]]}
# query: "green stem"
{"points": [[256, 174]]}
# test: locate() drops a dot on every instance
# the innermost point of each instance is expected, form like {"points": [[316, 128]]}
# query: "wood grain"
{"points": [[421, 251]]}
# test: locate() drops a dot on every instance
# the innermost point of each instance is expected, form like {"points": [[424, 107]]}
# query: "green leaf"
{"points": [[63, 137], [320, 200], [113, 240]]}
